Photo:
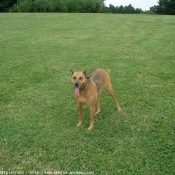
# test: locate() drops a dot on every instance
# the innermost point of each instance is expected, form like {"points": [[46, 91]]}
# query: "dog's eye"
{"points": [[74, 78], [80, 78]]}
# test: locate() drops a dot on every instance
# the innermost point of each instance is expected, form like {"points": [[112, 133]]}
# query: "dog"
{"points": [[87, 90]]}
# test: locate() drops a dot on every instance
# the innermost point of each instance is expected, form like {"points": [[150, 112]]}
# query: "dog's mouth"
{"points": [[77, 88], [76, 92]]}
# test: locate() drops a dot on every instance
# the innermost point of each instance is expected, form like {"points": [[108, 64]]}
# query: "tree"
{"points": [[112, 8], [120, 9], [129, 9], [165, 7]]}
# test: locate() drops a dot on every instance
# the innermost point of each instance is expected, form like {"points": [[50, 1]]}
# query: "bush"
{"points": [[6, 4], [60, 6], [149, 12], [91, 6], [23, 6]]}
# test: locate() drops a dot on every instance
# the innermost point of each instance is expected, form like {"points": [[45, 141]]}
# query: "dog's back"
{"points": [[101, 78]]}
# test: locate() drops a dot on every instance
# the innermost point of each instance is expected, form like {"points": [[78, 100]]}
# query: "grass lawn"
{"points": [[38, 111]]}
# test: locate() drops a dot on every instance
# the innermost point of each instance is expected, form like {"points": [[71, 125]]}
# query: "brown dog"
{"points": [[88, 90]]}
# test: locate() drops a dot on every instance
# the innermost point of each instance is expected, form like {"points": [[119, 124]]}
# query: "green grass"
{"points": [[38, 111]]}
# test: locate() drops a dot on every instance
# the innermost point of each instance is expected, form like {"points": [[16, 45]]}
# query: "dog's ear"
{"points": [[72, 72], [84, 72]]}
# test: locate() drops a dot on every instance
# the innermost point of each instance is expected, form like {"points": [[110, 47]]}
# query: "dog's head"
{"points": [[78, 79]]}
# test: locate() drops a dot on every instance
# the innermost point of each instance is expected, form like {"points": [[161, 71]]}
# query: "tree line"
{"points": [[81, 6], [122, 9]]}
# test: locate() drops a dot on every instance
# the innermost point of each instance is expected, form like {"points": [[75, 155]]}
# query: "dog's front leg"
{"points": [[92, 108], [79, 106]]}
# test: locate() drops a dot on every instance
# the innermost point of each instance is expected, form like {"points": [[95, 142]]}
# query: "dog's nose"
{"points": [[76, 84]]}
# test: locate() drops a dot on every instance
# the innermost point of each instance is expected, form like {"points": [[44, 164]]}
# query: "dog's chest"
{"points": [[82, 99]]}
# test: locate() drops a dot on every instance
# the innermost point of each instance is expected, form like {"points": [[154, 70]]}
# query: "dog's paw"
{"points": [[118, 108], [79, 124], [90, 127], [97, 112]]}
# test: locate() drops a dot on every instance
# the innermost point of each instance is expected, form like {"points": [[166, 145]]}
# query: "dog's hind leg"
{"points": [[98, 105], [92, 109], [110, 90], [79, 106]]}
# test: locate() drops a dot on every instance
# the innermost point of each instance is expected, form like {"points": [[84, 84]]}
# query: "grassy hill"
{"points": [[38, 111]]}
